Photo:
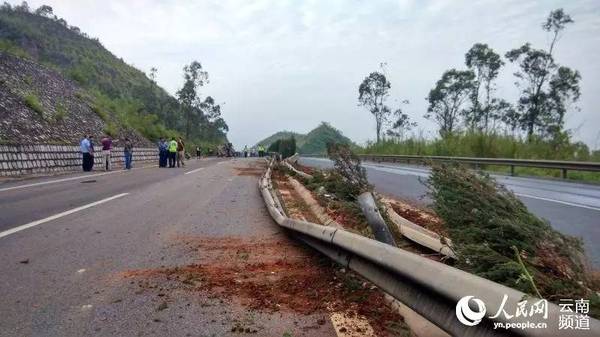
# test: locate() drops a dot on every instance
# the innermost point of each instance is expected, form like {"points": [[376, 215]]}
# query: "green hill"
{"points": [[282, 135], [314, 142], [116, 88]]}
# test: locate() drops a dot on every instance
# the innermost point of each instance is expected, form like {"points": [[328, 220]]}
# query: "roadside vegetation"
{"points": [[496, 237], [474, 121]]}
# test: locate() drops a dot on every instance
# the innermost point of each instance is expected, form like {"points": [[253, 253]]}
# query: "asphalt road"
{"points": [[73, 249], [572, 208]]}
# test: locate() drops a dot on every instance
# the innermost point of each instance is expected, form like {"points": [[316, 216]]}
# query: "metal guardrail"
{"points": [[430, 288], [564, 166]]}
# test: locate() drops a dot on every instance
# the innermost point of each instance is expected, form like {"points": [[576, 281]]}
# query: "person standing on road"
{"points": [[84, 145], [106, 148], [92, 153], [163, 152], [128, 153], [180, 152], [172, 152], [245, 151], [198, 153], [261, 151]]}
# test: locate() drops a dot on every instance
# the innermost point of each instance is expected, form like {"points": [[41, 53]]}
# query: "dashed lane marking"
{"points": [[194, 171], [59, 215]]}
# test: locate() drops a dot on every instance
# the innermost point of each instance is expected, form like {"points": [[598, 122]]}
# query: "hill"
{"points": [[121, 95], [314, 142], [282, 135]]}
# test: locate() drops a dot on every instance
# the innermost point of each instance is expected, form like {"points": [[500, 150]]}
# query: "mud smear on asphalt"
{"points": [[272, 275]]}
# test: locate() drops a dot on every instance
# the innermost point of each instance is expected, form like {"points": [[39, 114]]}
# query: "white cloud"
{"points": [[291, 64]]}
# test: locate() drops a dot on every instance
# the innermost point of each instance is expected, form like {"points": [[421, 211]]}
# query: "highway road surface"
{"points": [[123, 254], [572, 208]]}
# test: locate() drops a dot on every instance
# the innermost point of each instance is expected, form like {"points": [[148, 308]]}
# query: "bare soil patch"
{"points": [[272, 275]]}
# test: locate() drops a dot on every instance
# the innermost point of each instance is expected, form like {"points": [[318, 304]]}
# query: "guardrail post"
{"points": [[512, 170], [564, 173]]}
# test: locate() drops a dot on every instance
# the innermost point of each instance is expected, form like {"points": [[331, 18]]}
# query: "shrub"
{"points": [[285, 147], [60, 112], [33, 102], [496, 237]]}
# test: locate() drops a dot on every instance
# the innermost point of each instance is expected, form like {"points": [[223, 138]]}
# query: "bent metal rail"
{"points": [[564, 166], [430, 288]]}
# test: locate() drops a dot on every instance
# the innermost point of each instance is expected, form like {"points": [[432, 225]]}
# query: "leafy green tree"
{"points": [[546, 87], [372, 94], [447, 98], [194, 78], [485, 63]]}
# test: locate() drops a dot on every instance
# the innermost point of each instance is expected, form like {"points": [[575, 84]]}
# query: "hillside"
{"points": [[38, 105], [282, 135], [121, 95], [314, 142]]}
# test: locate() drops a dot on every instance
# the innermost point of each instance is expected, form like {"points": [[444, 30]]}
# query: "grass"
{"points": [[33, 102], [60, 112], [496, 146]]}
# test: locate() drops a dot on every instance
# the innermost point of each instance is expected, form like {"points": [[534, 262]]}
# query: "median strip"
{"points": [[59, 215]]}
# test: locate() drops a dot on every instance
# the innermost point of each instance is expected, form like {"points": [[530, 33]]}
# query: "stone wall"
{"points": [[16, 160]]}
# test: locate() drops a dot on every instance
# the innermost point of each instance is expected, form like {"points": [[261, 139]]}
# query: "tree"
{"points": [[485, 63], [194, 77], [373, 91], [44, 10], [546, 88], [447, 98], [401, 123]]}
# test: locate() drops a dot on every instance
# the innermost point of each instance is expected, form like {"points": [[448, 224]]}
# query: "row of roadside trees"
{"points": [[465, 99]]}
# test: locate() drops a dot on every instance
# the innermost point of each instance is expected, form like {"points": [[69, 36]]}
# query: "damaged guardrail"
{"points": [[450, 298], [564, 166]]}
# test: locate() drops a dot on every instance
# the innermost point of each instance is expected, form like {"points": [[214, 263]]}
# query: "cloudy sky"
{"points": [[285, 64]]}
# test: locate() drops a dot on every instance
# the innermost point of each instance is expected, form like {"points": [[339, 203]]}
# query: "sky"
{"points": [[288, 65]]}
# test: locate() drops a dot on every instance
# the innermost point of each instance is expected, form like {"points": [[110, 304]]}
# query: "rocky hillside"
{"points": [[122, 97], [38, 105], [314, 142]]}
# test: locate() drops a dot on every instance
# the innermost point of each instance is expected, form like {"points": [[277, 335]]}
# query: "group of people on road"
{"points": [[172, 152], [88, 152], [255, 151]]}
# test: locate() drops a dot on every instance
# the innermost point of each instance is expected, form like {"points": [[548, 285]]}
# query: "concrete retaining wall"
{"points": [[16, 160]]}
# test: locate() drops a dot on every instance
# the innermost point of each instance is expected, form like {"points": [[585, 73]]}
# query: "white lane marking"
{"points": [[69, 179], [194, 171], [59, 215], [81, 271], [558, 201]]}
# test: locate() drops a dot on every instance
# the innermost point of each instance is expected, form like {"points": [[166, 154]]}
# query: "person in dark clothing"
{"points": [[92, 152], [163, 152], [128, 152]]}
